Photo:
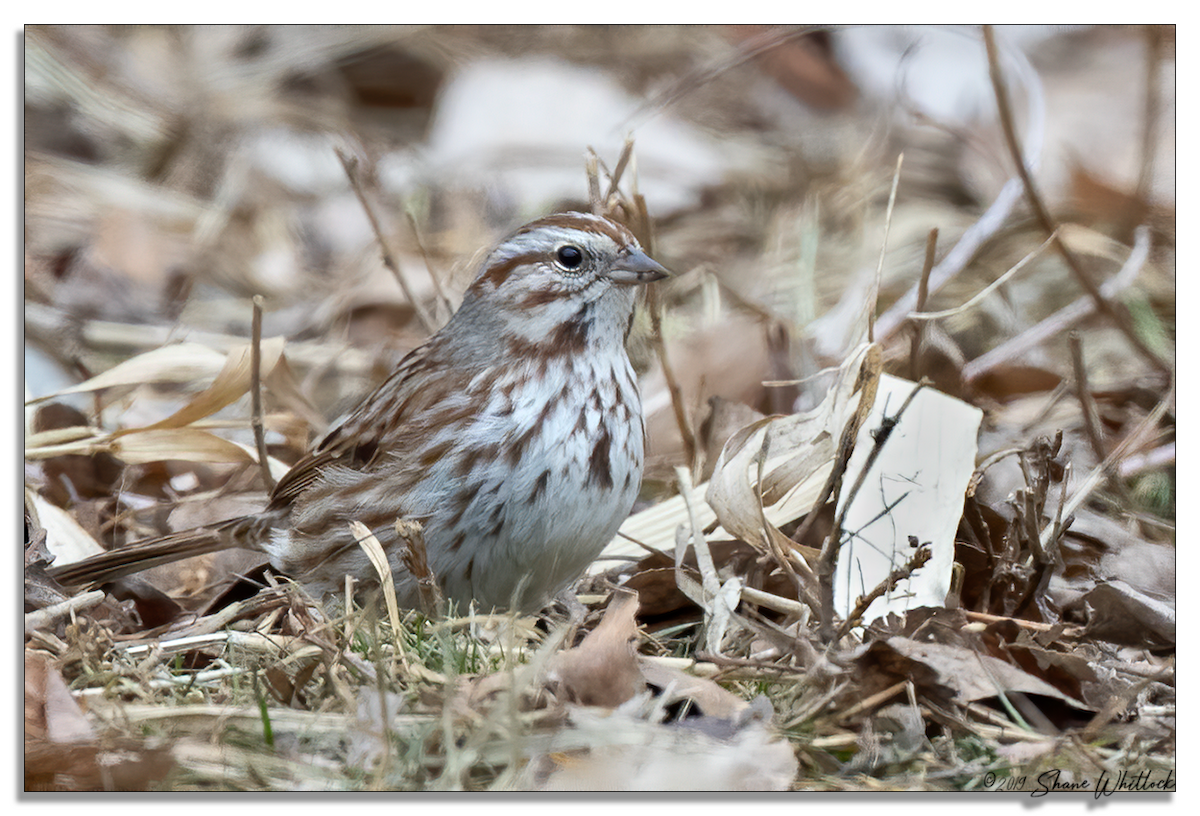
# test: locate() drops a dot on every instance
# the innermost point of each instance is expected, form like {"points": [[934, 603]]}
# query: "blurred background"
{"points": [[173, 172]]}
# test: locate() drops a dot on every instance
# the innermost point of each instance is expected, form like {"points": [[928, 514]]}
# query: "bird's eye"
{"points": [[570, 257]]}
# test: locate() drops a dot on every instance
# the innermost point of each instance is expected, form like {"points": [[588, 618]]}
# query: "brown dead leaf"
{"points": [[232, 381], [603, 669], [61, 750], [938, 668], [653, 577], [1122, 614], [50, 712], [72, 477], [1008, 381], [805, 66]]}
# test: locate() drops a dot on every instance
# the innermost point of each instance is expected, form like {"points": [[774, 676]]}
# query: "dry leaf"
{"points": [[968, 675], [603, 669], [787, 452], [181, 363], [1122, 614], [232, 381], [188, 444], [50, 711]]}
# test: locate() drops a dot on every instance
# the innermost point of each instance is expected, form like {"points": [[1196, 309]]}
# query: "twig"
{"points": [[1033, 626], [1055, 550], [416, 560], [918, 338], [1116, 313], [436, 280], [618, 171], [887, 229], [256, 411], [1111, 463], [919, 559], [1091, 418], [873, 700], [76, 603], [350, 165], [987, 290], [687, 432], [776, 603], [1154, 47], [1067, 316], [592, 168]]}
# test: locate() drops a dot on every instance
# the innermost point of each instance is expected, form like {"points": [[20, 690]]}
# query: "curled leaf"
{"points": [[188, 444]]}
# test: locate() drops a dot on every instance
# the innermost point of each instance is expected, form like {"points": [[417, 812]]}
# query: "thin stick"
{"points": [[785, 606], [1091, 417], [1112, 462], [437, 281], [1052, 546], [887, 228], [48, 615], [1033, 626], [592, 167], [687, 432], [920, 315], [350, 165], [873, 700], [992, 219], [919, 559], [1067, 316], [1103, 305], [256, 409], [1154, 48], [918, 339], [622, 161]]}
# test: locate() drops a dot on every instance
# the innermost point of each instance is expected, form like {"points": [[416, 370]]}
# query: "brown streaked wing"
{"points": [[356, 442]]}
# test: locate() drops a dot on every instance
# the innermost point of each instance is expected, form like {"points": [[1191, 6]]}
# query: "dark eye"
{"points": [[571, 257]]}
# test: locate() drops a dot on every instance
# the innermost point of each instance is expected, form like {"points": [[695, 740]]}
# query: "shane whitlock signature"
{"points": [[1106, 784]]}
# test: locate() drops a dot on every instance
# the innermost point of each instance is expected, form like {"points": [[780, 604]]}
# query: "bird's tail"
{"points": [[154, 552]]}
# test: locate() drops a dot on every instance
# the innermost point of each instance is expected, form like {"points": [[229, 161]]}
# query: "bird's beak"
{"points": [[637, 267]]}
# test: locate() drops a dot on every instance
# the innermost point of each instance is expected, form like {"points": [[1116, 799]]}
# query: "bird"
{"points": [[513, 436]]}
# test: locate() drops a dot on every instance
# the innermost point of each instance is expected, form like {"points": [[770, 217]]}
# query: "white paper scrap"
{"points": [[914, 490]]}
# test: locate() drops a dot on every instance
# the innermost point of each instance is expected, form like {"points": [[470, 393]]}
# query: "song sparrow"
{"points": [[514, 435]]}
